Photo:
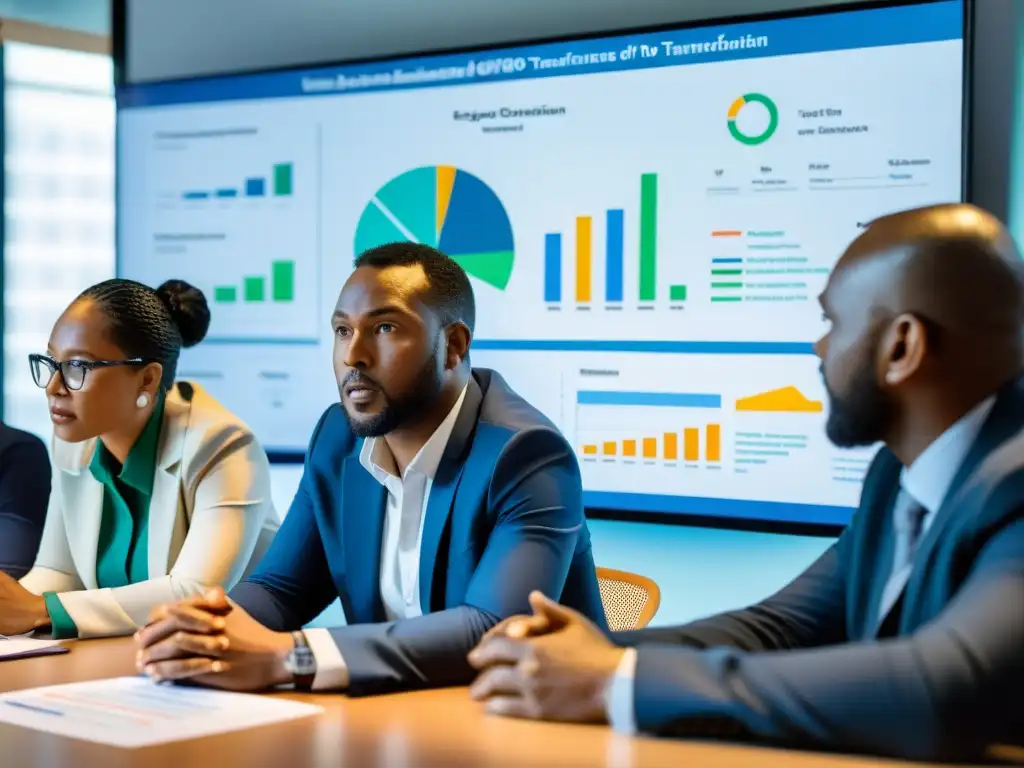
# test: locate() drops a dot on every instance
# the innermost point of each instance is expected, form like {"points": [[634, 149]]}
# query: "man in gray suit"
{"points": [[906, 637]]}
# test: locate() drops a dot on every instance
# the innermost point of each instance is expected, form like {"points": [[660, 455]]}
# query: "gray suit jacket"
{"points": [[942, 678]]}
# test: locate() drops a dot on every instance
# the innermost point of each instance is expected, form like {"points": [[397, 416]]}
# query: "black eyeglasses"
{"points": [[73, 372]]}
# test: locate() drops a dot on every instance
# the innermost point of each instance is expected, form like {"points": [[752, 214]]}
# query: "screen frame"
{"points": [[119, 26]]}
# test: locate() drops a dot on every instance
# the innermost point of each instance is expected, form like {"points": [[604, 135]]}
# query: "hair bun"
{"points": [[189, 310]]}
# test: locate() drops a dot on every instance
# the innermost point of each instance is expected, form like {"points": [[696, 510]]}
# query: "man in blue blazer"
{"points": [[434, 500], [906, 637]]}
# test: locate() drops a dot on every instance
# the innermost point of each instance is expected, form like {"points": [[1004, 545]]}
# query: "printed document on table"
{"points": [[136, 712]]}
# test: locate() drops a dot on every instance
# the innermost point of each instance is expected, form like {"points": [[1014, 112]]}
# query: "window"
{"points": [[58, 203]]}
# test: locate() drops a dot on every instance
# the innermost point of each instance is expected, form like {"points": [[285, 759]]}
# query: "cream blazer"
{"points": [[211, 518]]}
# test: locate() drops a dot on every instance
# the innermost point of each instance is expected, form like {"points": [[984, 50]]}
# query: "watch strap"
{"points": [[303, 681]]}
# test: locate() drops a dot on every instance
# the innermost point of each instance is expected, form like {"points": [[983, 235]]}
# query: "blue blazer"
{"points": [[504, 517], [24, 495], [940, 678]]}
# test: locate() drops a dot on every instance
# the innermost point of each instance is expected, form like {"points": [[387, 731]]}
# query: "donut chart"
{"points": [[737, 106]]}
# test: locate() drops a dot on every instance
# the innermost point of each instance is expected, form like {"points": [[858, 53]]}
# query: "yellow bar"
{"points": [[609, 449], [583, 258], [691, 444], [650, 447], [714, 447], [671, 446], [629, 447], [589, 450]]}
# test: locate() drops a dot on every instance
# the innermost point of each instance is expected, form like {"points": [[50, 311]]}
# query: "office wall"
{"points": [[700, 570]]}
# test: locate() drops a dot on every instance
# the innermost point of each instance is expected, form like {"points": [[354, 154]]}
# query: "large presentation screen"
{"points": [[647, 221]]}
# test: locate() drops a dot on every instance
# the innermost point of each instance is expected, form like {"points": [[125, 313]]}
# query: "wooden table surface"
{"points": [[441, 727]]}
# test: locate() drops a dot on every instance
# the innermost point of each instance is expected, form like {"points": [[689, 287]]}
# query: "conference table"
{"points": [[426, 728]]}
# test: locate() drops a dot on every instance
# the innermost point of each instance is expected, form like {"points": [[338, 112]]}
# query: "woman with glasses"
{"points": [[159, 493]]}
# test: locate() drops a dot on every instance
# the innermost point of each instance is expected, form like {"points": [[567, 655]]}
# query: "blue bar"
{"points": [[660, 399], [780, 511], [654, 347], [845, 30], [196, 195], [553, 267], [727, 261], [255, 187], [613, 257], [227, 193]]}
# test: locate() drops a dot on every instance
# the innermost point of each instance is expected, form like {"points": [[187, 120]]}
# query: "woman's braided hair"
{"points": [[153, 325]]}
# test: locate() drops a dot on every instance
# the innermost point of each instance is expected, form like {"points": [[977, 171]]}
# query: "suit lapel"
{"points": [[442, 490], [82, 507], [83, 513], [1002, 423], [166, 519], [362, 519], [880, 548]]}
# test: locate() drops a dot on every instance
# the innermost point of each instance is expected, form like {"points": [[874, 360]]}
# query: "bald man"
{"points": [[906, 638]]}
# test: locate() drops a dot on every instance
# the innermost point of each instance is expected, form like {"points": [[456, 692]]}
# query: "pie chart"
{"points": [[448, 209]]}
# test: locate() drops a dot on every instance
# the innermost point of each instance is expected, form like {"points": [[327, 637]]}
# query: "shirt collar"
{"points": [[928, 479], [140, 466], [377, 459]]}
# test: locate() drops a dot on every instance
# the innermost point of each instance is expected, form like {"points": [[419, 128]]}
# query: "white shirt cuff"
{"points": [[331, 670], [618, 696]]}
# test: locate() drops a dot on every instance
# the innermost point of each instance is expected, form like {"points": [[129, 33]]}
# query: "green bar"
{"points": [[225, 294], [283, 280], [283, 179], [727, 285], [648, 234], [254, 288], [726, 271], [727, 298], [677, 292]]}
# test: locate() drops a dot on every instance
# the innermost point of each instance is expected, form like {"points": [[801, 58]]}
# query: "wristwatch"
{"points": [[301, 663]]}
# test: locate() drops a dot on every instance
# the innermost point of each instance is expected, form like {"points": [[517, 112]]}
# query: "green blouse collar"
{"points": [[140, 466]]}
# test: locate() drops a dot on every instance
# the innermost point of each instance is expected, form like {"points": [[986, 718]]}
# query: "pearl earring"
{"points": [[143, 400]]}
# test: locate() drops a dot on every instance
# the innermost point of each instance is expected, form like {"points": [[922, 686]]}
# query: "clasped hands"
{"points": [[553, 665], [212, 641]]}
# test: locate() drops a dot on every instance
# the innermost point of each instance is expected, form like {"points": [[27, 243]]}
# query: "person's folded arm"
{"points": [[24, 497], [808, 612], [232, 503], [536, 496], [944, 692]]}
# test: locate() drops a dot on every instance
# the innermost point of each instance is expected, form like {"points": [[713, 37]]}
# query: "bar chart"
{"points": [[579, 258], [254, 287], [631, 426], [664, 447], [281, 184]]}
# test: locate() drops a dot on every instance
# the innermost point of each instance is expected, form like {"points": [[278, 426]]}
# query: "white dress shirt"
{"points": [[926, 481], [407, 496]]}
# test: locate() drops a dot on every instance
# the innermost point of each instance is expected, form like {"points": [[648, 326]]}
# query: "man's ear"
{"points": [[459, 338], [903, 349]]}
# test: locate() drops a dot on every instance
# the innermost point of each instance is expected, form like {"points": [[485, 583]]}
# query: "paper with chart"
{"points": [[135, 712]]}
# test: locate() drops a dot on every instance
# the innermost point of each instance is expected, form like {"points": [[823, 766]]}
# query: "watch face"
{"points": [[301, 661]]}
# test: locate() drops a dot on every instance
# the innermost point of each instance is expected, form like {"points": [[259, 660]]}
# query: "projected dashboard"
{"points": [[647, 221]]}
